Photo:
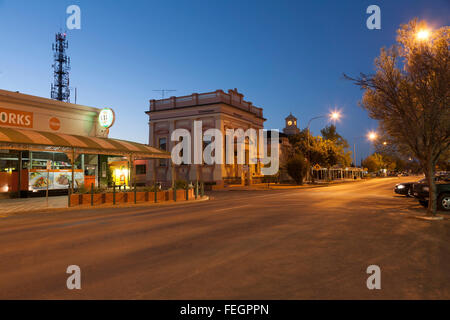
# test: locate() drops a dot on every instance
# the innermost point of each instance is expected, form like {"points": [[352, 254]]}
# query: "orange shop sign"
{"points": [[16, 118], [54, 123]]}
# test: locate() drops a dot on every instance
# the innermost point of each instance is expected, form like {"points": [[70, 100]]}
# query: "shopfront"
{"points": [[47, 144]]}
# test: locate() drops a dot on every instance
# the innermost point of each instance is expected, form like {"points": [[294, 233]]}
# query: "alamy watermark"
{"points": [[374, 21], [208, 147], [74, 20], [74, 280], [374, 280]]}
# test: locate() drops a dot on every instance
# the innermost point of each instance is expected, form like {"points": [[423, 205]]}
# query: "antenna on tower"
{"points": [[164, 91], [61, 66]]}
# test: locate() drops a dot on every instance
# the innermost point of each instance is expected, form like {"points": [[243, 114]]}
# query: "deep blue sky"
{"points": [[284, 56]]}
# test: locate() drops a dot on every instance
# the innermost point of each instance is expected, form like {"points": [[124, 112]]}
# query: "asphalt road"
{"points": [[285, 244]]}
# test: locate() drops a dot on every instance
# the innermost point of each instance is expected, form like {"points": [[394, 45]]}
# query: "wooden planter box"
{"points": [[120, 197], [128, 197], [108, 198], [140, 196], [74, 200], [181, 195], [99, 199], [85, 199], [161, 196]]}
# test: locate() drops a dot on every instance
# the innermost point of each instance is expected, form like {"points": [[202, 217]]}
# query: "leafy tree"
{"points": [[330, 133], [296, 168], [321, 150], [410, 95], [374, 162]]}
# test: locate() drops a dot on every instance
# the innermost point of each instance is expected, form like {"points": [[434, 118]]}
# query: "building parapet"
{"points": [[233, 98]]}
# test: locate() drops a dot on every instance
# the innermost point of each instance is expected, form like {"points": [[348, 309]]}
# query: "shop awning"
{"points": [[25, 139]]}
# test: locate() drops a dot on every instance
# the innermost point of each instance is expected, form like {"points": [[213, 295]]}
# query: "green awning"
{"points": [[12, 138]]}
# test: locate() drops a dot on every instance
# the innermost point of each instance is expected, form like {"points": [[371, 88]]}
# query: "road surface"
{"points": [[285, 244]]}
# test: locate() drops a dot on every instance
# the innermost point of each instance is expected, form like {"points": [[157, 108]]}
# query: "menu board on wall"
{"points": [[57, 179]]}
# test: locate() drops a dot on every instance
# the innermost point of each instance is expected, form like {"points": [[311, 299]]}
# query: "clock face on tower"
{"points": [[289, 123]]}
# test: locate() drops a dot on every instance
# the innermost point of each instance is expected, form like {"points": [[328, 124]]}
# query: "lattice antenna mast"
{"points": [[60, 86]]}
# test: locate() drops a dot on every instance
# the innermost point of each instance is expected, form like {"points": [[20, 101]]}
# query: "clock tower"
{"points": [[291, 125]]}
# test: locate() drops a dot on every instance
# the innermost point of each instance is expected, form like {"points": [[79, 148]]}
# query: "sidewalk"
{"points": [[273, 186], [8, 206]]}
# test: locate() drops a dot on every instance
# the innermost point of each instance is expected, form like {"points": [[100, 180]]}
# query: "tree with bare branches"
{"points": [[409, 95]]}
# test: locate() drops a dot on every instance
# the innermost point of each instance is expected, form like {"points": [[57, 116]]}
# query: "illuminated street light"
{"points": [[423, 35], [384, 143], [372, 136], [335, 115]]}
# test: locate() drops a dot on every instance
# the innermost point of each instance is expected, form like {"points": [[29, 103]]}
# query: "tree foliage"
{"points": [[327, 150], [410, 95], [296, 168], [374, 162]]}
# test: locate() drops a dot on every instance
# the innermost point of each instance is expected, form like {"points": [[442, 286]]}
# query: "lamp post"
{"points": [[335, 115], [371, 136]]}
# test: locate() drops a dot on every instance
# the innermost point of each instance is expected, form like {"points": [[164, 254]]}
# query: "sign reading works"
{"points": [[16, 118]]}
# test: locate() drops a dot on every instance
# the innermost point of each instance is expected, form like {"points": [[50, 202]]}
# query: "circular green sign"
{"points": [[106, 118]]}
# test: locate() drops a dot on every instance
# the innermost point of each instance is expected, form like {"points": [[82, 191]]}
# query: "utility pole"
{"points": [[60, 88], [163, 91]]}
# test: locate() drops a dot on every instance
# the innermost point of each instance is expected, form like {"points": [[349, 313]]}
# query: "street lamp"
{"points": [[334, 116], [372, 136], [423, 35]]}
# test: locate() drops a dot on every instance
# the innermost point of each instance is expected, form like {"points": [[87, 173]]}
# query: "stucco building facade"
{"points": [[215, 109]]}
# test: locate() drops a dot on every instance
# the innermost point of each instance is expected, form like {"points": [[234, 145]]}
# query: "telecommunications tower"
{"points": [[61, 67]]}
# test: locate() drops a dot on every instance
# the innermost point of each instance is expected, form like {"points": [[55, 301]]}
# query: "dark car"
{"points": [[406, 189], [421, 192]]}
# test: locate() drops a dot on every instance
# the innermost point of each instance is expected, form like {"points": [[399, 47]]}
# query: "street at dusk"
{"points": [[224, 159], [313, 243]]}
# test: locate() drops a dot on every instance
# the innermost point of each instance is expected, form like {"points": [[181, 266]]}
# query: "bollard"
{"points": [[174, 193], [68, 198], [135, 193], [114, 193], [92, 194], [156, 193], [202, 189], [187, 192]]}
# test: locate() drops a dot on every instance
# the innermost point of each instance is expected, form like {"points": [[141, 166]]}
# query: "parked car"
{"points": [[406, 188], [421, 192]]}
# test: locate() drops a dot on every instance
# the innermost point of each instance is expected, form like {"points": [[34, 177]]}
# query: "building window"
{"points": [[141, 169], [162, 143]]}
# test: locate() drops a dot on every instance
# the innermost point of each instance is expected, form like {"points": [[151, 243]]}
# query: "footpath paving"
{"points": [[276, 186], [11, 206]]}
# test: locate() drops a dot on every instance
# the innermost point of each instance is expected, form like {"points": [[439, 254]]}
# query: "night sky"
{"points": [[284, 56]]}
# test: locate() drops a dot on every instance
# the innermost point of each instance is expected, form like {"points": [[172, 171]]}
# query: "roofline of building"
{"points": [[40, 101], [233, 98], [205, 104]]}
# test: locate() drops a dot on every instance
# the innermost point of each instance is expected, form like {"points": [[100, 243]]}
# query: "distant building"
{"points": [[215, 109], [291, 126]]}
